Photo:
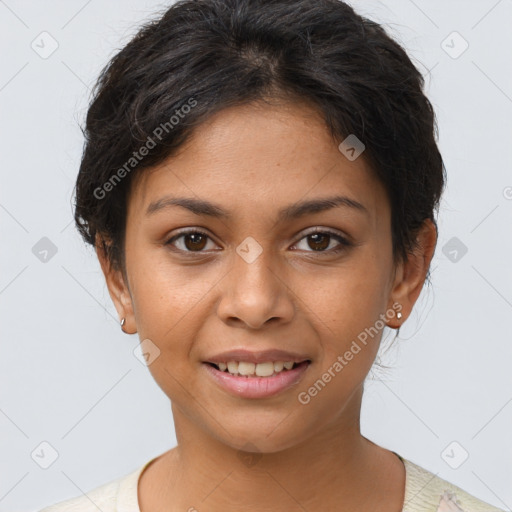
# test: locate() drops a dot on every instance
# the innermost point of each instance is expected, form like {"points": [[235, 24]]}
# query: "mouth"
{"points": [[246, 379], [251, 370]]}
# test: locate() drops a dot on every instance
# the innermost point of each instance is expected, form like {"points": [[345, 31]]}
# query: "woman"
{"points": [[260, 181]]}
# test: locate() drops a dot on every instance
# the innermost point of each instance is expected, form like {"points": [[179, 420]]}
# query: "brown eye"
{"points": [[190, 241], [194, 241], [319, 241]]}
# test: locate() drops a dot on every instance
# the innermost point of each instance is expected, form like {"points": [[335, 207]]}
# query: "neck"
{"points": [[337, 463]]}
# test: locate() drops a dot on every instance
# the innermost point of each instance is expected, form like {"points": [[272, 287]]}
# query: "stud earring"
{"points": [[123, 321], [398, 315]]}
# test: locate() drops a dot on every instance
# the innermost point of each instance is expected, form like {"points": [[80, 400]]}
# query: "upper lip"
{"points": [[262, 356]]}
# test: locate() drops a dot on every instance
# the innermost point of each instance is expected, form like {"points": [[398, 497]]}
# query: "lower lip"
{"points": [[257, 387]]}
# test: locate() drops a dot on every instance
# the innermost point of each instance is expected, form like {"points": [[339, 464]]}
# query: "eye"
{"points": [[319, 240], [192, 241]]}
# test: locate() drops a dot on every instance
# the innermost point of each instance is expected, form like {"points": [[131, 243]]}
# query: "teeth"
{"points": [[264, 369], [233, 367], [278, 366], [247, 369]]}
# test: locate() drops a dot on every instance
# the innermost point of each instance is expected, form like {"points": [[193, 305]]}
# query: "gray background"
{"points": [[69, 376]]}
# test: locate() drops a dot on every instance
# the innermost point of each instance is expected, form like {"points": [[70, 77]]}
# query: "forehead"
{"points": [[257, 155]]}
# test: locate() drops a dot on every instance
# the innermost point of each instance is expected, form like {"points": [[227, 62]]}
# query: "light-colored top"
{"points": [[424, 492]]}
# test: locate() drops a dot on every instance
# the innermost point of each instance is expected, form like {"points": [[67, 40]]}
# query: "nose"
{"points": [[256, 293]]}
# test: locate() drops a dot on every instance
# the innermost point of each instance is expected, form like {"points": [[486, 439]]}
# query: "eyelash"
{"points": [[344, 243]]}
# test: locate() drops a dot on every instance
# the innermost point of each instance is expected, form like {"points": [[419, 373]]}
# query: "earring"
{"points": [[122, 323], [398, 315]]}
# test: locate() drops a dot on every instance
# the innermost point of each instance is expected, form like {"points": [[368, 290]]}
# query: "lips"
{"points": [[257, 387], [250, 374]]}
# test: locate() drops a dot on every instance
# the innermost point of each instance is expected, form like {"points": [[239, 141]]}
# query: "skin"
{"points": [[254, 160]]}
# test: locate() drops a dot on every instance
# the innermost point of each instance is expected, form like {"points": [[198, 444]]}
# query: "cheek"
{"points": [[170, 308], [346, 296], [345, 307], [164, 294]]}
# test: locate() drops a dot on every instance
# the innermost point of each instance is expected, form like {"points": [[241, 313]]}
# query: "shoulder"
{"points": [[426, 492], [119, 495], [103, 498]]}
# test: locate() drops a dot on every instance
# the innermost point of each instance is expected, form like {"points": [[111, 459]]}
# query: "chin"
{"points": [[259, 437]]}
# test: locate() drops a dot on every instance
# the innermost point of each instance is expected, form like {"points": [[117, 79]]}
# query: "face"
{"points": [[255, 262]]}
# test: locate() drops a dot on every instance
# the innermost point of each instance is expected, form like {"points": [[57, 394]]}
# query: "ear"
{"points": [[411, 274], [117, 288]]}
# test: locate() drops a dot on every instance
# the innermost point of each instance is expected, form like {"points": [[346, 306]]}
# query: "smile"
{"points": [[256, 380], [247, 369]]}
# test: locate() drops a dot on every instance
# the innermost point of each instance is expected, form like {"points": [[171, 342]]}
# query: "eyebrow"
{"points": [[294, 211]]}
